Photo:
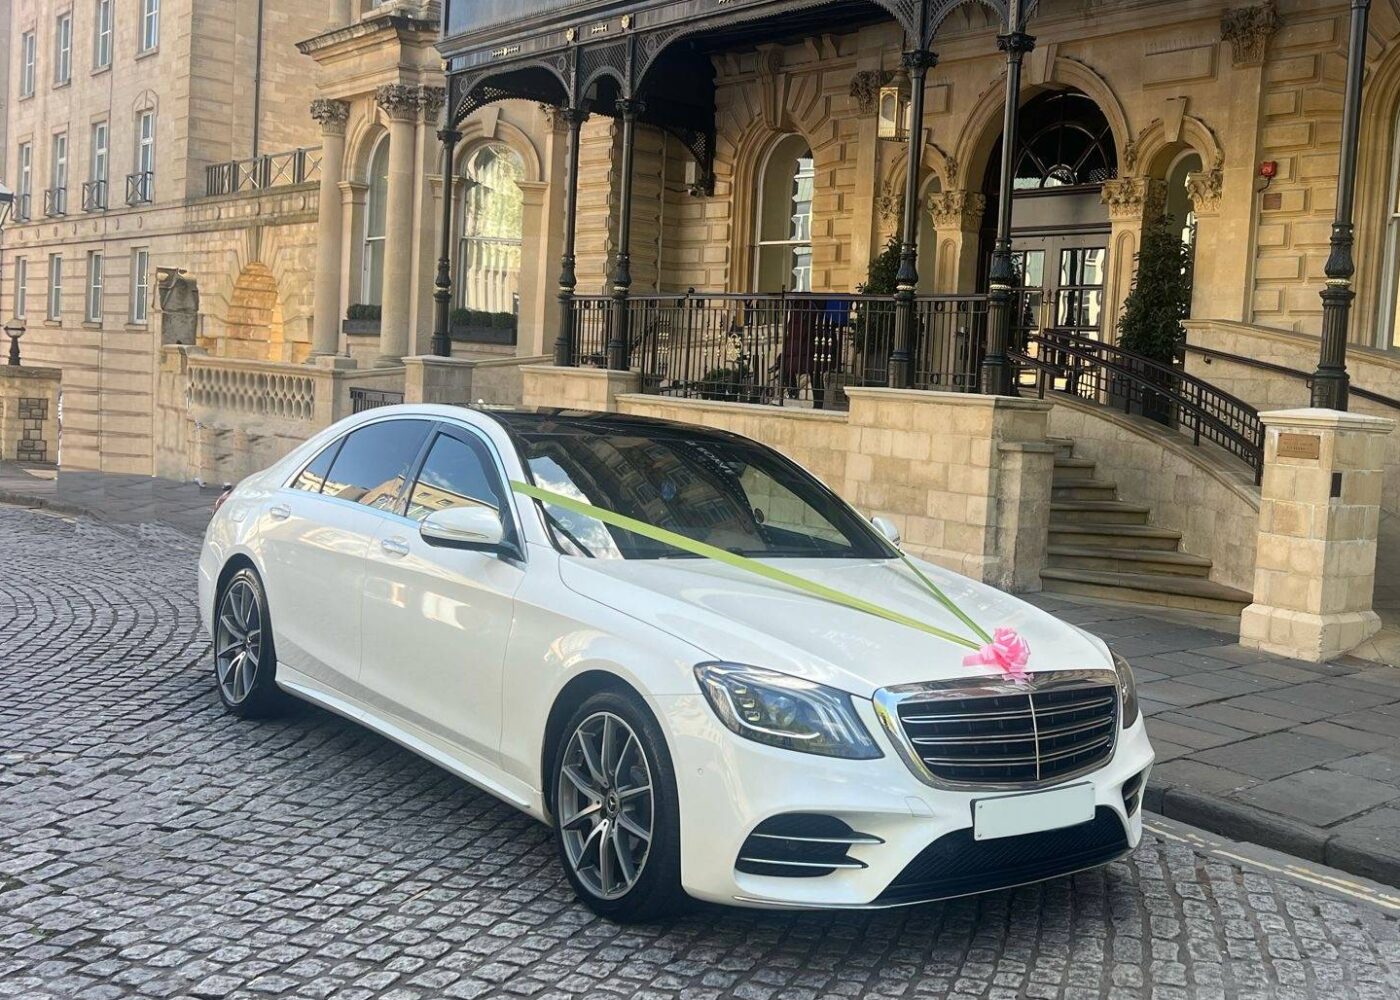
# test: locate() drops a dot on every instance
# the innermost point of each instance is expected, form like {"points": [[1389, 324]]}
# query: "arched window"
{"points": [[488, 255], [1179, 208], [784, 245], [372, 280], [1065, 141]]}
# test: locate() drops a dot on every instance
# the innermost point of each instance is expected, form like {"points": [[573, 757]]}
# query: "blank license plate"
{"points": [[1013, 815]]}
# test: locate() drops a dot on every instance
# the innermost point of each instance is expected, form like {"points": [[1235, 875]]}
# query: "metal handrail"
{"points": [[1078, 366], [1306, 378], [138, 187], [55, 202], [94, 196]]}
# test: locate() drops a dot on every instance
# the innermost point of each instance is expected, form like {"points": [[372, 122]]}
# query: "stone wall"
{"points": [[1378, 371], [1212, 503], [466, 381], [965, 478], [29, 430]]}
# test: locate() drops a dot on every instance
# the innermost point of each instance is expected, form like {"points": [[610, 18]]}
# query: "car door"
{"points": [[437, 620], [314, 535]]}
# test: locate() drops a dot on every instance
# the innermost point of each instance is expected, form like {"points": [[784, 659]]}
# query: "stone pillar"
{"points": [[1212, 246], [1315, 562], [330, 221], [957, 224], [1132, 202], [401, 104], [576, 388], [433, 378]]}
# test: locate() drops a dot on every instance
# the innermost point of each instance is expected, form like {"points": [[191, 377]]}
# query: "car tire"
{"points": [[607, 794], [245, 662]]}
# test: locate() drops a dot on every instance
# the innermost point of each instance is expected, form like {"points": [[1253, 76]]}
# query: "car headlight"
{"points": [[1127, 684], [786, 711]]}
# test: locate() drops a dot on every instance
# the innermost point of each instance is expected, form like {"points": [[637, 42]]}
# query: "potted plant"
{"points": [[362, 319], [1152, 313], [482, 327], [872, 327]]}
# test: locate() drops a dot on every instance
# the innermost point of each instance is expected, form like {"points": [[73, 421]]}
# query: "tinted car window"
{"points": [[313, 477], [456, 473], [374, 462]]}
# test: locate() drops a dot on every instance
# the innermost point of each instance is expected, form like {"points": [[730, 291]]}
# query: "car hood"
{"points": [[736, 616]]}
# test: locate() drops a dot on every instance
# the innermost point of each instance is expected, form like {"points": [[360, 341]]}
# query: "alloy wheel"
{"points": [[606, 806], [238, 641]]}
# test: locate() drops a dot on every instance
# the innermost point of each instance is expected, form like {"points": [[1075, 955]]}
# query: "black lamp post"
{"points": [[996, 370], [14, 329], [1330, 381], [441, 344]]}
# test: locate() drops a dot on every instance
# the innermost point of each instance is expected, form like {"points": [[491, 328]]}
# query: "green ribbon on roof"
{"points": [[764, 570]]}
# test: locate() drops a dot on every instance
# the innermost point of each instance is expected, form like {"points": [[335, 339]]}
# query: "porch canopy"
{"points": [[648, 61]]}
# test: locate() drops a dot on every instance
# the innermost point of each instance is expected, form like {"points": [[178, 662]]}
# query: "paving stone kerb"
{"points": [[1243, 738], [151, 846]]}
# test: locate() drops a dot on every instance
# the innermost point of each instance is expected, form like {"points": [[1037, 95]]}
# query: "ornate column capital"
{"points": [[430, 102], [865, 88], [958, 210], [399, 101], [332, 115], [1248, 30], [1134, 199], [1205, 189], [1016, 43], [919, 60]]}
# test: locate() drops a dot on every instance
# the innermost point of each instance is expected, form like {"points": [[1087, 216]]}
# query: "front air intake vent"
{"points": [[801, 845]]}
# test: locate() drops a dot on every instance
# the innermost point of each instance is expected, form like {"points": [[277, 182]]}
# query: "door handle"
{"points": [[394, 546], [279, 512]]}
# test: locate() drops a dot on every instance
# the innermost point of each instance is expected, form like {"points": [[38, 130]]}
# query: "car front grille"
{"points": [[976, 734]]}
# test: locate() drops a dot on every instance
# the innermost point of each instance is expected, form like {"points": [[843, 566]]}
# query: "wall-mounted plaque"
{"points": [[1299, 446]]}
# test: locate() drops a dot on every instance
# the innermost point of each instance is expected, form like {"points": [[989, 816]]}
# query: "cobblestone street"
{"points": [[151, 846]]}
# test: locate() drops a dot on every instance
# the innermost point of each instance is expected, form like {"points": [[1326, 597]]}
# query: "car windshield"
{"points": [[723, 491]]}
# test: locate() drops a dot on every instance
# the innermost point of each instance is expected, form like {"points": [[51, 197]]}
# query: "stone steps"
{"points": [[1125, 560], [1116, 536], [1107, 548], [1164, 591]]}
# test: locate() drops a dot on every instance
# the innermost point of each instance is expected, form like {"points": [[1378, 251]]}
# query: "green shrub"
{"points": [[1161, 295], [362, 310]]}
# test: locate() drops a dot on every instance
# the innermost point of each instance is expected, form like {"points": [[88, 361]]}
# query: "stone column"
{"points": [[1315, 563], [1132, 202], [325, 333], [957, 224], [401, 103]]}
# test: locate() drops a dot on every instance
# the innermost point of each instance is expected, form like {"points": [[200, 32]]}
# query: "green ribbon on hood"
{"points": [[764, 570]]}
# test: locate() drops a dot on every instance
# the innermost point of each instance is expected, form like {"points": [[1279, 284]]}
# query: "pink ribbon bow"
{"points": [[1007, 652]]}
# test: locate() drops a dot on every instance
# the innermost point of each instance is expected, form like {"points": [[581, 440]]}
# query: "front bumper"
{"points": [[729, 785]]}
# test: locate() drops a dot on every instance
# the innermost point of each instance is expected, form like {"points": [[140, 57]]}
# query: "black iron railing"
{"points": [[20, 212], [256, 173], [782, 348], [368, 399], [1059, 361], [1296, 374], [140, 187], [55, 202], [94, 196]]}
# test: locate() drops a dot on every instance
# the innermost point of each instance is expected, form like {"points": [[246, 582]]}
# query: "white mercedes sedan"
{"points": [[688, 726]]}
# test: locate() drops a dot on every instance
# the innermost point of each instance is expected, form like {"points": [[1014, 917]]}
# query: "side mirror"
{"points": [[886, 527], [476, 528]]}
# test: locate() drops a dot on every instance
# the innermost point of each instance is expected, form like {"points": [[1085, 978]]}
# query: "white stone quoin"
{"points": [[1318, 521]]}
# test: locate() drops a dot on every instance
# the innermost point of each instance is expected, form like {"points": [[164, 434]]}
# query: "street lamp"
{"points": [[14, 329]]}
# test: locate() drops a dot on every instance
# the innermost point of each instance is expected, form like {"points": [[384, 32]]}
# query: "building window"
{"points": [[785, 218], [55, 286], [102, 40], [140, 186], [63, 49], [95, 193], [28, 48], [140, 284], [150, 24], [372, 279], [21, 287], [57, 201], [26, 180], [94, 287], [488, 269]]}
